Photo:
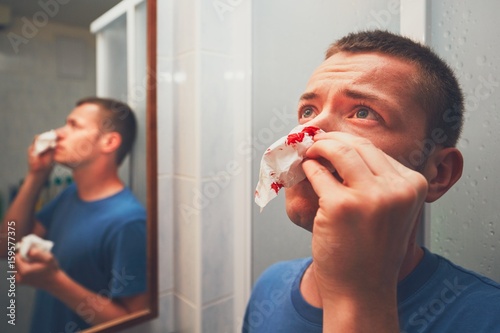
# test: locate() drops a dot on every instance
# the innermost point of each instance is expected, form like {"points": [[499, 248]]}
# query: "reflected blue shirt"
{"points": [[99, 244]]}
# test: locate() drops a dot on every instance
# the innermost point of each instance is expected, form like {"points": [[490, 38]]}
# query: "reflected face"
{"points": [[365, 94], [77, 140]]}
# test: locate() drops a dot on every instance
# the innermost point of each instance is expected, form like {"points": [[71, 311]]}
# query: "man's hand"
{"points": [[39, 271], [40, 164], [367, 211]]}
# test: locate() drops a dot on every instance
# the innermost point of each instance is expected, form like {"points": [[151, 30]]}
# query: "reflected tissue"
{"points": [[44, 142]]}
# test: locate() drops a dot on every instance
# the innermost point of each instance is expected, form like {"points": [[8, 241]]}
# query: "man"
{"points": [[96, 271], [392, 112]]}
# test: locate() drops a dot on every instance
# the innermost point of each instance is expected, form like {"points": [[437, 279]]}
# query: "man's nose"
{"points": [[326, 121], [60, 132]]}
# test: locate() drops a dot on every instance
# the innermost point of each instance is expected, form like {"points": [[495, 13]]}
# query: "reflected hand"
{"points": [[40, 164], [367, 212], [39, 271]]}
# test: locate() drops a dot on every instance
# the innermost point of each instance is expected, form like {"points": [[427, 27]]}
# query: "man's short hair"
{"points": [[436, 88], [116, 116]]}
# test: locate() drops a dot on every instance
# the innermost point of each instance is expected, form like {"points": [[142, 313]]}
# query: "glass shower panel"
{"points": [[112, 59], [137, 100], [465, 222]]}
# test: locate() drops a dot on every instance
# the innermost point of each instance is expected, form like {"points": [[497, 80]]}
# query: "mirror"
{"points": [[48, 62]]}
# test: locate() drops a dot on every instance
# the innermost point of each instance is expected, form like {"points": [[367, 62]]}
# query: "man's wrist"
{"points": [[55, 281], [37, 178]]}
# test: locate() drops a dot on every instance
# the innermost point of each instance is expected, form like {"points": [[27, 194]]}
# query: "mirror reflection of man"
{"points": [[96, 271]]}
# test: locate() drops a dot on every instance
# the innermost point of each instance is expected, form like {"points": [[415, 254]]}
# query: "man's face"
{"points": [[77, 140], [368, 95]]}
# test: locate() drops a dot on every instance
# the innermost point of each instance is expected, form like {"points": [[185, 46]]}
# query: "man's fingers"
{"points": [[321, 178], [37, 255], [345, 159], [374, 158]]}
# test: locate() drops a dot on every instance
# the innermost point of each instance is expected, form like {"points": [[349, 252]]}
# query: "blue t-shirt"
{"points": [[101, 245], [437, 297]]}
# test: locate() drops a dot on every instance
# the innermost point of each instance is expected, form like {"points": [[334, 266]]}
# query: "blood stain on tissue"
{"points": [[299, 137], [276, 187], [311, 130], [294, 138]]}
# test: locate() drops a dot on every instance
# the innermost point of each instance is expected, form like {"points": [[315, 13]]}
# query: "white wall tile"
{"points": [[217, 241], [186, 318], [219, 317], [185, 26], [165, 234], [204, 83], [164, 323], [186, 236], [216, 83], [165, 24], [165, 126], [185, 134], [217, 22]]}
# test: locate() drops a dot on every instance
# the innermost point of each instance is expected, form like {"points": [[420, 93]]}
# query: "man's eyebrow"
{"points": [[72, 120], [356, 94], [308, 96]]}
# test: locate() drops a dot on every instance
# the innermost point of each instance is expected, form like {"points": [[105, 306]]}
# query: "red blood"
{"points": [[311, 130], [294, 138], [299, 137], [276, 187]]}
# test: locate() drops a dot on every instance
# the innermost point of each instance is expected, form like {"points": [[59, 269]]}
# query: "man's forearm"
{"points": [[21, 211], [94, 308]]}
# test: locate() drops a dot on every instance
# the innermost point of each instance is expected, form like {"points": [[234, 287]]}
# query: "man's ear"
{"points": [[110, 142], [443, 169]]}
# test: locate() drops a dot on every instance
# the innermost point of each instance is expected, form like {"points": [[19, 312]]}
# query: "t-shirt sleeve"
{"points": [[128, 255]]}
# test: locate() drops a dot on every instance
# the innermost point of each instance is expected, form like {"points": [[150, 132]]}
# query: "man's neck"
{"points": [[309, 288], [94, 183]]}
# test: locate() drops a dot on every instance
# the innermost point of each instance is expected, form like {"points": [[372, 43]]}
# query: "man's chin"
{"points": [[66, 163], [301, 204]]}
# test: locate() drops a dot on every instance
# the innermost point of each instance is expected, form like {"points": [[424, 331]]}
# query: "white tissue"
{"points": [[281, 163], [32, 240], [45, 141]]}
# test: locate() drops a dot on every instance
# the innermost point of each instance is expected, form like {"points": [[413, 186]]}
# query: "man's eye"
{"points": [[365, 113], [307, 113]]}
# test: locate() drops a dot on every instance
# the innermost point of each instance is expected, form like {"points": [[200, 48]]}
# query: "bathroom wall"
{"points": [[465, 222], [203, 100]]}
